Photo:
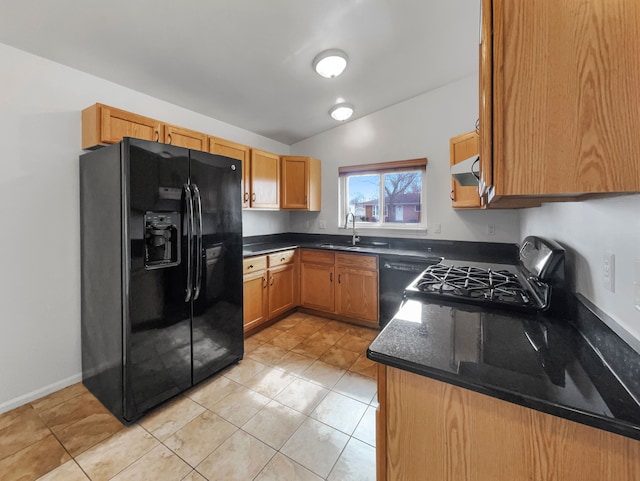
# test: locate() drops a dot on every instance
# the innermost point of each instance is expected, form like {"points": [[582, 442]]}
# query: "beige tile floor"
{"points": [[300, 406]]}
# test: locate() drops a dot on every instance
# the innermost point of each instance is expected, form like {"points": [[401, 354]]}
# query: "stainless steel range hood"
{"points": [[467, 173]]}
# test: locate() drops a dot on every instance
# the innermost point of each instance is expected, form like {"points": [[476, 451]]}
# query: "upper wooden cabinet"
{"points": [[560, 89], [461, 148], [182, 137], [301, 183], [235, 151], [103, 125], [264, 172]]}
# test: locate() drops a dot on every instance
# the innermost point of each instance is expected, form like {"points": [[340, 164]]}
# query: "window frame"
{"points": [[380, 169]]}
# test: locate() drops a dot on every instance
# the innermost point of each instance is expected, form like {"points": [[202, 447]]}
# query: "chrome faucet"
{"points": [[355, 238]]}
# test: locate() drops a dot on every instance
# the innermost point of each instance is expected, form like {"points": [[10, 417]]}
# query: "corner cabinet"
{"points": [[301, 183], [264, 172], [461, 148], [559, 93]]}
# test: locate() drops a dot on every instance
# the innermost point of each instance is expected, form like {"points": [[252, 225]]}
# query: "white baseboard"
{"points": [[38, 393]]}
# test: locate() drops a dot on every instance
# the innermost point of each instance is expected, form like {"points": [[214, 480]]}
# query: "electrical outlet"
{"points": [[322, 224], [437, 228], [609, 271], [491, 230]]}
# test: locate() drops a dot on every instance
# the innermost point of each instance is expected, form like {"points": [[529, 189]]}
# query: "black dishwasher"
{"points": [[396, 272]]}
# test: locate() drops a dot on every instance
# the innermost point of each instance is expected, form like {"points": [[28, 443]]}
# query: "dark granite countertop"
{"points": [[536, 361], [405, 248]]}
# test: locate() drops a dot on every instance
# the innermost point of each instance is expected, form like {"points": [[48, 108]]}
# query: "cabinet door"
{"points": [[485, 109], [317, 286], [265, 180], [282, 289], [189, 139], [295, 183], [566, 92], [255, 299], [357, 294], [461, 148], [235, 151], [103, 125]]}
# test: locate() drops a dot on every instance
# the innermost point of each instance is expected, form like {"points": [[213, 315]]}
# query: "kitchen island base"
{"points": [[432, 430]]}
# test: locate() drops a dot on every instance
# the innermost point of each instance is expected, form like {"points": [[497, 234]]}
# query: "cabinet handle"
{"points": [[451, 195], [246, 196], [330, 276], [339, 277], [250, 266], [282, 259], [253, 197], [271, 281], [157, 136], [169, 137], [264, 282]]}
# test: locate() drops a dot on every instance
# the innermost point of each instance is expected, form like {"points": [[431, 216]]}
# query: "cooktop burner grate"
{"points": [[473, 283]]}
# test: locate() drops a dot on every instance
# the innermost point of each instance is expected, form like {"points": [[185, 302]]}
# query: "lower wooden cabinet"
{"points": [[316, 280], [357, 288], [430, 430], [342, 284], [271, 287], [255, 299]]}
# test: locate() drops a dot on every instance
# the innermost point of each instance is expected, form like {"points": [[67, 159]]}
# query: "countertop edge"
{"points": [[583, 417]]}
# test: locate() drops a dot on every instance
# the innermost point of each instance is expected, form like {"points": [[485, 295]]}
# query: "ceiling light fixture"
{"points": [[330, 63], [341, 111]]}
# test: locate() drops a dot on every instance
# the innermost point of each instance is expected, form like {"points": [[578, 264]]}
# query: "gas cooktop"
{"points": [[526, 285]]}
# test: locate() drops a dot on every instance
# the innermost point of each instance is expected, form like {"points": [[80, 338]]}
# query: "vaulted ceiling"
{"points": [[248, 62]]}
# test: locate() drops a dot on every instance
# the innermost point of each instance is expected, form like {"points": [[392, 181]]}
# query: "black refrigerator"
{"points": [[161, 271]]}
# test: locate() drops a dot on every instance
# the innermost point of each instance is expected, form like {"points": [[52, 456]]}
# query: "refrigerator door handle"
{"points": [[189, 210], [198, 233]]}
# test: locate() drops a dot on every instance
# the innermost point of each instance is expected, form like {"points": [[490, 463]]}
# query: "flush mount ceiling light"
{"points": [[330, 63], [341, 111]]}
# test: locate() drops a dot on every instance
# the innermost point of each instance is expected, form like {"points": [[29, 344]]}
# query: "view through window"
{"points": [[385, 197]]}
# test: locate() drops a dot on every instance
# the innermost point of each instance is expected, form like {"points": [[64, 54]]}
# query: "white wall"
{"points": [[589, 229], [40, 104], [418, 127]]}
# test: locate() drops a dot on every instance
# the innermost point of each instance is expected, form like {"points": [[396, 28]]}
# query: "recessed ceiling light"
{"points": [[341, 111], [330, 63]]}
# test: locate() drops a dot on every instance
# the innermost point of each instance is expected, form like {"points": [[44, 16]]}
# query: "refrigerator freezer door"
{"points": [[217, 306], [157, 320]]}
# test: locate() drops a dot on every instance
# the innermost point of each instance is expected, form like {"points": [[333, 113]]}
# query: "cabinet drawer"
{"points": [[317, 257], [357, 261], [281, 258], [252, 264]]}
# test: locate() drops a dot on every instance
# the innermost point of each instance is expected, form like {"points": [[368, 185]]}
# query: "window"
{"points": [[395, 188]]}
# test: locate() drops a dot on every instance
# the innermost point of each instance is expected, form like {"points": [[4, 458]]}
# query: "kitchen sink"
{"points": [[359, 245]]}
